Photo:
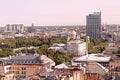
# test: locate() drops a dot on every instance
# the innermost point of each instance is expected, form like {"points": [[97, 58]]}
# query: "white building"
{"points": [[58, 47], [77, 47], [94, 58], [4, 68], [98, 58], [113, 28]]}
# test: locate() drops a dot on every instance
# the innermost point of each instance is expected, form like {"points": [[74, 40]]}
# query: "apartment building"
{"points": [[114, 68], [24, 70], [77, 47], [25, 65], [14, 28]]}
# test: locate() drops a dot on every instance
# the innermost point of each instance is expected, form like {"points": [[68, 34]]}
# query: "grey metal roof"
{"points": [[24, 57]]}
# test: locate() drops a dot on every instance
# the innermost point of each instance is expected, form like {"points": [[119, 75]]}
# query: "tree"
{"points": [[18, 51], [31, 51], [42, 43], [24, 50]]}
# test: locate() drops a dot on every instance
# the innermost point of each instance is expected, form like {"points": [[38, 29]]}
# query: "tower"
{"points": [[72, 35], [93, 25]]}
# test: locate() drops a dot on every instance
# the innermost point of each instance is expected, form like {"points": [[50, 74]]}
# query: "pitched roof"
{"points": [[61, 66]]}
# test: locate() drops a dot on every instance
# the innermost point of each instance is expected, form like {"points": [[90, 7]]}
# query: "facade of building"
{"points": [[15, 28], [24, 70], [58, 47], [19, 70], [63, 74], [93, 76], [114, 68], [6, 76], [113, 30], [76, 47], [31, 29], [93, 25], [23, 65]]}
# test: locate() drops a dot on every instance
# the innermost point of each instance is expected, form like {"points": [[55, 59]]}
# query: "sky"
{"points": [[57, 12]]}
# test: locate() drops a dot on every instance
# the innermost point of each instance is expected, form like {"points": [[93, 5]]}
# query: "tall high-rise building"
{"points": [[31, 29], [93, 25], [15, 28]]}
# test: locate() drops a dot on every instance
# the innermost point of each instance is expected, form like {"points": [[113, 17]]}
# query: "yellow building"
{"points": [[6, 76], [114, 68], [32, 70], [24, 70]]}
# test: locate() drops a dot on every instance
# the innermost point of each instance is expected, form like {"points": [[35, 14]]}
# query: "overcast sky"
{"points": [[57, 12]]}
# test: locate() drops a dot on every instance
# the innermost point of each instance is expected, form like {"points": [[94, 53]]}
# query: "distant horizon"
{"points": [[52, 12], [59, 25]]}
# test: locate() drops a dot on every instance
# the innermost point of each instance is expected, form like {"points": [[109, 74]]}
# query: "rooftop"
{"points": [[62, 66], [27, 59], [93, 67], [94, 57], [46, 59], [75, 41], [59, 45], [24, 57], [95, 13]]}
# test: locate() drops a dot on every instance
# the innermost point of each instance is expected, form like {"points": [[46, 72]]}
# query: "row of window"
{"points": [[115, 73], [18, 72], [6, 78], [18, 68], [115, 68], [23, 62]]}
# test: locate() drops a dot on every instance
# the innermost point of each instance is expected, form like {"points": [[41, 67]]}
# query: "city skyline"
{"points": [[52, 12]]}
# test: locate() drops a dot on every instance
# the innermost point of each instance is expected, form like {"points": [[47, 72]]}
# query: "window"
{"points": [[17, 72], [10, 77], [9, 68], [10, 72], [23, 68], [17, 68], [23, 72]]}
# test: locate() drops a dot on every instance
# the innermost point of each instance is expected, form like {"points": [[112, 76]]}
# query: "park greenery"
{"points": [[96, 46], [7, 47], [116, 52]]}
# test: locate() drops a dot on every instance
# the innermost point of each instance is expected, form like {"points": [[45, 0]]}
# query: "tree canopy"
{"points": [[41, 43]]}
